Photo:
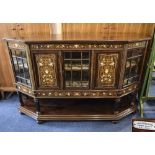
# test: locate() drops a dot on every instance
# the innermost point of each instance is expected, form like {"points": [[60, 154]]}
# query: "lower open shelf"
{"points": [[77, 109]]}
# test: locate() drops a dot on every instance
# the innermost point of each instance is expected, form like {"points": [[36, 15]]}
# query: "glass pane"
{"points": [[28, 82], [18, 79], [13, 53], [129, 54], [136, 52], [68, 83], [85, 55], [25, 64], [129, 80], [85, 75], [85, 64], [23, 54], [133, 63], [128, 64], [76, 55], [76, 75], [133, 71], [67, 55], [68, 64], [16, 66], [125, 82], [77, 69], [127, 73], [76, 65], [21, 67], [85, 83], [68, 75], [132, 66], [23, 81], [76, 83], [18, 53]]}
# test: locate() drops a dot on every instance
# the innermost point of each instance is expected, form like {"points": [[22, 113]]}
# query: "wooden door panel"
{"points": [[106, 69], [47, 70]]}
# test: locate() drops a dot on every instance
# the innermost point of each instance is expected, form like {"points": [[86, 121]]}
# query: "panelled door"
{"points": [[106, 69], [47, 69]]}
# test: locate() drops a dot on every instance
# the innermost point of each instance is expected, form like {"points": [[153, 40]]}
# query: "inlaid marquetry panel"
{"points": [[46, 65], [75, 46], [86, 93], [107, 64]]}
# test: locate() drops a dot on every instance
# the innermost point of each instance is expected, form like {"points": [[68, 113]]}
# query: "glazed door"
{"points": [[20, 65], [133, 66], [76, 69], [47, 69], [105, 69]]}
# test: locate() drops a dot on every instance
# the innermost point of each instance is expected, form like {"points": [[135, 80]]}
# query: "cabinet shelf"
{"points": [[77, 84], [133, 57], [76, 69], [19, 57], [76, 59]]}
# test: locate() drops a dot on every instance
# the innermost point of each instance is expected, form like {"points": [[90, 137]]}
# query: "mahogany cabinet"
{"points": [[72, 77]]}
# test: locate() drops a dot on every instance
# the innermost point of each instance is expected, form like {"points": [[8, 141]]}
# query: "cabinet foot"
{"points": [[2, 95], [39, 122], [134, 112], [115, 122], [21, 113]]}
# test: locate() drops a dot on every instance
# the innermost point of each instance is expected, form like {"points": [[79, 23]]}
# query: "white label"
{"points": [[144, 125]]}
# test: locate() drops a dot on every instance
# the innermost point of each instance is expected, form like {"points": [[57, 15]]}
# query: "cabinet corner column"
{"points": [[20, 98], [37, 104], [116, 105]]}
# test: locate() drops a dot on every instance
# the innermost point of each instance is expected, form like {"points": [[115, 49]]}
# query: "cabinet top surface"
{"points": [[83, 37]]}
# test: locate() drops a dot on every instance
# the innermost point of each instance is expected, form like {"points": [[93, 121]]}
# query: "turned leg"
{"points": [[37, 104], [115, 121]]}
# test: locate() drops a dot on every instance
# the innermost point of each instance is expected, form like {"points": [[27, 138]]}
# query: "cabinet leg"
{"points": [[2, 95], [116, 106], [21, 113], [20, 99], [115, 122], [37, 104], [39, 122]]}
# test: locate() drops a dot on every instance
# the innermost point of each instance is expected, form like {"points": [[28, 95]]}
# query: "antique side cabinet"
{"points": [[72, 77]]}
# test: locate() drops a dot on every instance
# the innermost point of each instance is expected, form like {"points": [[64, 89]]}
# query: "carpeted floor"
{"points": [[12, 121]]}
